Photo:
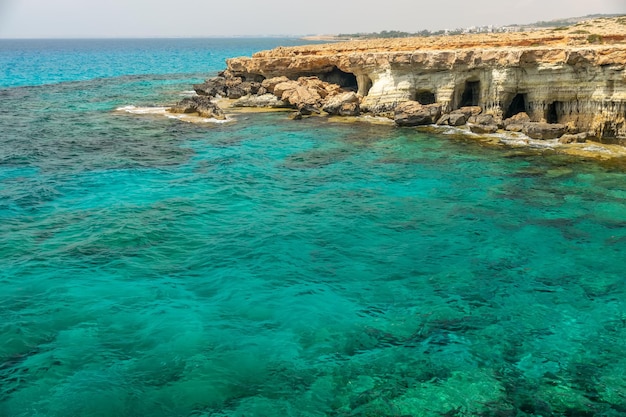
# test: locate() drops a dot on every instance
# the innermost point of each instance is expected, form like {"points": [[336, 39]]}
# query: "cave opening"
{"points": [[344, 79], [471, 94], [425, 97], [518, 105], [552, 112], [609, 130]]}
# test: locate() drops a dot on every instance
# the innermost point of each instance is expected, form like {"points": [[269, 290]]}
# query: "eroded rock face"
{"points": [[213, 88], [228, 85], [345, 104], [309, 93], [271, 83], [555, 78], [263, 100]]}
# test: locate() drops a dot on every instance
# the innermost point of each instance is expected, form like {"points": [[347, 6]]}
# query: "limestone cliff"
{"points": [[574, 76]]}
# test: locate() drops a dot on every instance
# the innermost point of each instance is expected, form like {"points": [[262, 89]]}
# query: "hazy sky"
{"points": [[200, 18]]}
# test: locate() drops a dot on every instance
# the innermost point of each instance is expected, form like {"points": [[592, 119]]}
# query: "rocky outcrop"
{"points": [[577, 138], [460, 116], [412, 113], [344, 104], [267, 100], [203, 106], [230, 86], [555, 77], [484, 123], [544, 130], [307, 95]]}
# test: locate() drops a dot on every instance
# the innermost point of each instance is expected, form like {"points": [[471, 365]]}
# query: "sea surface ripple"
{"points": [[266, 267]]}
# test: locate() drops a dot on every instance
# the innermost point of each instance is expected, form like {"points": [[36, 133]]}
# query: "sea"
{"points": [[156, 267]]}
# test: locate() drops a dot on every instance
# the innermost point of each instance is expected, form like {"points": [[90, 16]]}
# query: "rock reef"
{"points": [[545, 84]]}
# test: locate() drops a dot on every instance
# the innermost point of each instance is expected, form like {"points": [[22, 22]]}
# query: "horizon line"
{"points": [[159, 37]]}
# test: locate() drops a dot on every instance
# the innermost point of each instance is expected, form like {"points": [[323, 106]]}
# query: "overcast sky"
{"points": [[204, 18]]}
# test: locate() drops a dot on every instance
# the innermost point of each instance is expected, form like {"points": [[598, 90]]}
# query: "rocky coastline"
{"points": [[553, 85]]}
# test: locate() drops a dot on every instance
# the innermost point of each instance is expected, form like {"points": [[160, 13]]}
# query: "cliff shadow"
{"points": [[345, 80], [424, 97], [554, 112], [609, 133], [517, 105], [471, 94]]}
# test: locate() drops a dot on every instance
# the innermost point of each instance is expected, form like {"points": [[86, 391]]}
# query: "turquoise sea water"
{"points": [[270, 267]]}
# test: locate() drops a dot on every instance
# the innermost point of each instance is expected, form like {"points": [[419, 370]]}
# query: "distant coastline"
{"points": [[322, 38], [541, 25]]}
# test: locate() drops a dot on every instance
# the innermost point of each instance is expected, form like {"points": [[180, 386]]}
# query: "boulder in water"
{"points": [[201, 105], [412, 113]]}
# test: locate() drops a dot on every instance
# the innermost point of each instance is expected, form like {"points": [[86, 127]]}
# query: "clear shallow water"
{"points": [[271, 267]]}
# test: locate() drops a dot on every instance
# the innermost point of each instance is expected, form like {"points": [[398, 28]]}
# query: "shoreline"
{"points": [[500, 139], [560, 89]]}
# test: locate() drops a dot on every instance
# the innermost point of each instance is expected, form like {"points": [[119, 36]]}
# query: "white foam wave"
{"points": [[142, 110], [195, 119], [596, 148], [523, 140], [449, 130], [376, 119], [162, 111]]}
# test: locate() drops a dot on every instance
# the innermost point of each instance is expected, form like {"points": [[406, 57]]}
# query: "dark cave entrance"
{"points": [[552, 112], [609, 130], [425, 97], [471, 94], [518, 105], [345, 80]]}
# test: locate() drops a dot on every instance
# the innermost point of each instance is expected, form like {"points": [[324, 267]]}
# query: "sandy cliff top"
{"points": [[603, 31]]}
